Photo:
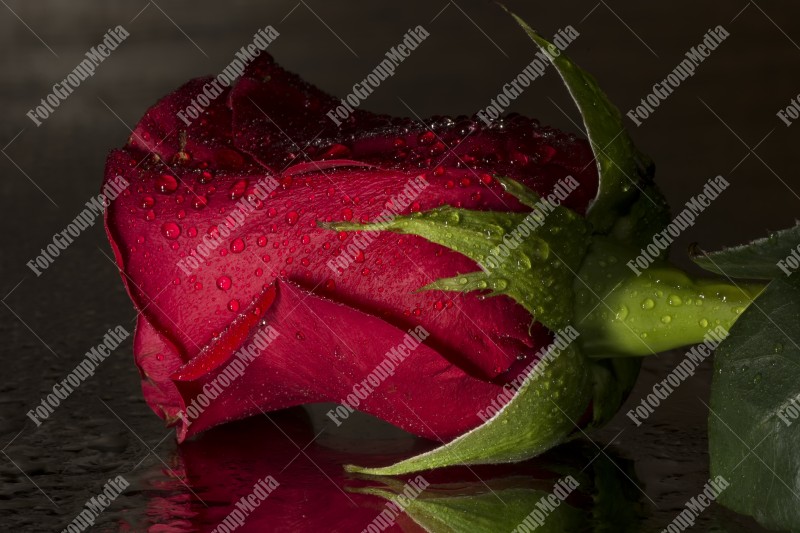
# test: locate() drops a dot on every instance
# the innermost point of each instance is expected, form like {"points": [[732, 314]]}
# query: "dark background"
{"points": [[48, 173]]}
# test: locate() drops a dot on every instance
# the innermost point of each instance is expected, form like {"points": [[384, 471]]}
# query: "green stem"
{"points": [[620, 313]]}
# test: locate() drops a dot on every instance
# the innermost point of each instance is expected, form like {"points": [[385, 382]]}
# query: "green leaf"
{"points": [[620, 165], [756, 373], [757, 260], [538, 417]]}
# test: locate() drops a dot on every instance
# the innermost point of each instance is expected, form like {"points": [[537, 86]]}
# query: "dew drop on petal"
{"points": [[166, 183], [237, 246], [170, 230], [224, 283]]}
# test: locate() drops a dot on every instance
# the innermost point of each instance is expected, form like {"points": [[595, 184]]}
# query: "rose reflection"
{"points": [[210, 474]]}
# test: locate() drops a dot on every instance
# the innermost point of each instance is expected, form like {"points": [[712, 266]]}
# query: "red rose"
{"points": [[218, 241]]}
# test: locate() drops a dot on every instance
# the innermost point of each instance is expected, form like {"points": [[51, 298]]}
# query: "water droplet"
{"points": [[238, 189], [336, 151], [148, 202], [675, 300], [703, 323], [237, 246], [199, 202], [499, 284], [224, 283], [299, 336], [622, 312], [166, 183], [426, 138], [648, 304], [205, 176], [170, 230], [292, 217], [666, 319], [540, 249], [233, 305]]}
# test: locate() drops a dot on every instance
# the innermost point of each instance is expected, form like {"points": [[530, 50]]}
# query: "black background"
{"points": [[709, 126]]}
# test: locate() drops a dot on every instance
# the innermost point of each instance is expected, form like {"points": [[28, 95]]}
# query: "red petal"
{"points": [[325, 351]]}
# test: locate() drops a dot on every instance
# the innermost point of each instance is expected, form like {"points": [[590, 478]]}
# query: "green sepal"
{"points": [[541, 415], [536, 270], [480, 507], [620, 165]]}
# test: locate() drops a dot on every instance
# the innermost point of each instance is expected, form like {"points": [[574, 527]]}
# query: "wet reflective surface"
{"points": [[104, 429]]}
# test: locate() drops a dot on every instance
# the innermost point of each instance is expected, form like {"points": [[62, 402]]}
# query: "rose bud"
{"points": [[461, 280]]}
